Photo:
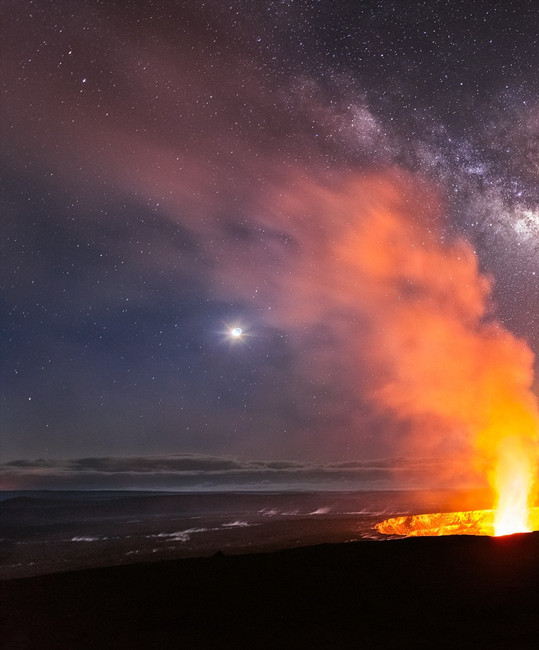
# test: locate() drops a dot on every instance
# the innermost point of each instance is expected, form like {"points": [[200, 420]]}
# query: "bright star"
{"points": [[236, 332]]}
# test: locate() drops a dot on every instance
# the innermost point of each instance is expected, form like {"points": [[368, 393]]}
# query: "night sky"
{"points": [[174, 170]]}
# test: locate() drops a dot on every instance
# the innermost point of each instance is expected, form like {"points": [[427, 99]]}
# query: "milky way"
{"points": [[175, 170]]}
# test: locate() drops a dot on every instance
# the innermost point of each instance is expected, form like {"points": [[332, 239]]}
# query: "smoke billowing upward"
{"points": [[404, 303]]}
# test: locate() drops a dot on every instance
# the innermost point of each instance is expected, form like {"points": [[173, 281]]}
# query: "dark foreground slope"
{"points": [[453, 592]]}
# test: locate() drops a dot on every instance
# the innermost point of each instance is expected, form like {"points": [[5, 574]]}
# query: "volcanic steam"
{"points": [[448, 368], [407, 321]]}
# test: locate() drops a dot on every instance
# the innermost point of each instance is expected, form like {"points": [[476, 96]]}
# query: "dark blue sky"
{"points": [[171, 170]]}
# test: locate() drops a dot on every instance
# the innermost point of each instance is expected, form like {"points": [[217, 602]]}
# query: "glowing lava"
{"points": [[514, 485], [473, 522], [513, 481]]}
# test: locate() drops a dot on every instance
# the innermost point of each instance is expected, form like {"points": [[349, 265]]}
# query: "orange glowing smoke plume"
{"points": [[444, 365], [408, 309]]}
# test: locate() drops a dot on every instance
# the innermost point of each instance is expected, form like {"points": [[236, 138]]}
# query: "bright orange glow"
{"points": [[473, 522], [514, 480], [406, 298], [459, 378]]}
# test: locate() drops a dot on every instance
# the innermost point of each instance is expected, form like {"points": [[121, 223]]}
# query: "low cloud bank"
{"points": [[192, 472]]}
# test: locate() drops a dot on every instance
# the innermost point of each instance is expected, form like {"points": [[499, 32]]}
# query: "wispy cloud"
{"points": [[198, 472]]}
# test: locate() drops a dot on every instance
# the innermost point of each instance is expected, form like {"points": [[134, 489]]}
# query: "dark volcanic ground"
{"points": [[448, 592]]}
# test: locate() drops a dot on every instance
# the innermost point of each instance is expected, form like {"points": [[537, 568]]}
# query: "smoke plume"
{"points": [[406, 316]]}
